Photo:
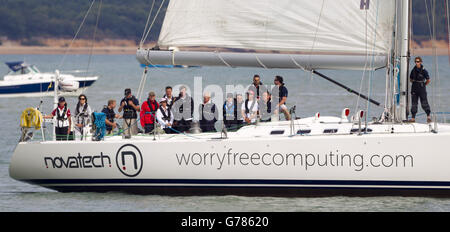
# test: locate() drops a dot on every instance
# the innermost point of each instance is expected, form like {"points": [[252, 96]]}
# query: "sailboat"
{"points": [[315, 156]]}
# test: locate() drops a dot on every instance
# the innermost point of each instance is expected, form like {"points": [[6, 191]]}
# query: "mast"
{"points": [[55, 100], [404, 58]]}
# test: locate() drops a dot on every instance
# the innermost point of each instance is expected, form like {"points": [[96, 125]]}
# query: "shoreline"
{"points": [[47, 50], [131, 50]]}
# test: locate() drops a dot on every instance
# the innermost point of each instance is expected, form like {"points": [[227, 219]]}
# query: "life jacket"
{"points": [[152, 107], [148, 116], [170, 101], [61, 117], [166, 117], [230, 113], [81, 116], [110, 114], [211, 113], [247, 109], [187, 101]]}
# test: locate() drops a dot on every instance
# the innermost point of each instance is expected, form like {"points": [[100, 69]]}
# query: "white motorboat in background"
{"points": [[25, 80]]}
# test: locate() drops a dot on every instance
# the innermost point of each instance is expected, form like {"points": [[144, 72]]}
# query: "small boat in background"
{"points": [[25, 80]]}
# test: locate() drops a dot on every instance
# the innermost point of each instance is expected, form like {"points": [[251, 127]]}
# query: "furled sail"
{"points": [[359, 28]]}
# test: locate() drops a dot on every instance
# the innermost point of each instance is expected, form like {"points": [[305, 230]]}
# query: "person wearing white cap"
{"points": [[164, 116]]}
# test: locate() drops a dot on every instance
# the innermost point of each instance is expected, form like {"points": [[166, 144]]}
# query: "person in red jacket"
{"points": [[148, 113]]}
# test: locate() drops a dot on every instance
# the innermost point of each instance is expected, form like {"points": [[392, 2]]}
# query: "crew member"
{"points": [[282, 96], [230, 112], [420, 79], [130, 107], [148, 113], [208, 114], [265, 107], [257, 86], [169, 97], [250, 108], [110, 116], [165, 116], [63, 120], [239, 103], [183, 109], [82, 118]]}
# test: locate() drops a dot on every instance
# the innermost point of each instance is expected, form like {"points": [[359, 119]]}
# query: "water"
{"points": [[310, 93]]}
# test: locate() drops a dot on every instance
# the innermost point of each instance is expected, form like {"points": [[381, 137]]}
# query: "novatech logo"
{"points": [[79, 161], [129, 160]]}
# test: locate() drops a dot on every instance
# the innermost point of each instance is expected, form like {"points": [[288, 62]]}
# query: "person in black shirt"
{"points": [[281, 92], [110, 116], [257, 86], [420, 79], [130, 107]]}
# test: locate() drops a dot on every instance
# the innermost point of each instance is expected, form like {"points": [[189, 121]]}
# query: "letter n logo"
{"points": [[365, 4], [129, 160]]}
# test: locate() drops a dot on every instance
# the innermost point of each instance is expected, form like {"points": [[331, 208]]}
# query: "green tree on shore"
{"points": [[25, 19]]}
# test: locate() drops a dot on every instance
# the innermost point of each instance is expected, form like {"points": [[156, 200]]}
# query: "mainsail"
{"points": [[356, 28]]}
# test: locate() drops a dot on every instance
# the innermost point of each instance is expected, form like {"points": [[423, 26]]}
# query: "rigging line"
{"points": [[297, 64], [146, 24], [436, 84], [428, 19], [93, 40], [142, 84], [260, 63], [76, 35], [315, 34], [153, 22], [221, 58], [365, 65], [372, 72]]}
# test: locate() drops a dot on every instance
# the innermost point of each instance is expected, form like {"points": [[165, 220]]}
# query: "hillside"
{"points": [[30, 21], [26, 19]]}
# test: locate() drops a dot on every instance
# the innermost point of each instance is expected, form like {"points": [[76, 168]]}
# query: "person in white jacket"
{"points": [[165, 116]]}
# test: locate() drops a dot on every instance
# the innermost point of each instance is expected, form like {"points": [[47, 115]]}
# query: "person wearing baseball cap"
{"points": [[130, 106], [165, 116], [148, 113], [63, 120]]}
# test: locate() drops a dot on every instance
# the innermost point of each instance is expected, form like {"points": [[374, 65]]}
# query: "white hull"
{"points": [[350, 164], [33, 83]]}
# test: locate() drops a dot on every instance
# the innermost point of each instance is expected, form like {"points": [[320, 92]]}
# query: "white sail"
{"points": [[328, 26]]}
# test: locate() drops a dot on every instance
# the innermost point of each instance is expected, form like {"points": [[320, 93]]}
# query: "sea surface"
{"points": [[309, 93]]}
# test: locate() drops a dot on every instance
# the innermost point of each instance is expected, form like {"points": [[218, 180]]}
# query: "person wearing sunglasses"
{"points": [[420, 79], [82, 118]]}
